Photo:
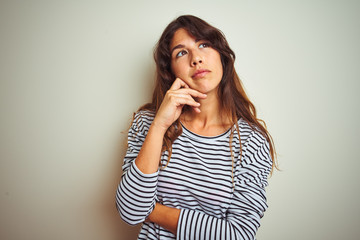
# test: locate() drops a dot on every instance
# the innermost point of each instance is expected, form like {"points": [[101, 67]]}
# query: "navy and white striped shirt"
{"points": [[198, 180]]}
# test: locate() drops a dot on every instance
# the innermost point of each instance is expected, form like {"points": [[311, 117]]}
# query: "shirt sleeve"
{"points": [[248, 204], [135, 196]]}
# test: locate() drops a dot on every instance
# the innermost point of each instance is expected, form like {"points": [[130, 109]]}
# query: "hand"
{"points": [[167, 217], [176, 97]]}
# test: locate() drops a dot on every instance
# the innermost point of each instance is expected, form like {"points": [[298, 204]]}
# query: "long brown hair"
{"points": [[233, 100]]}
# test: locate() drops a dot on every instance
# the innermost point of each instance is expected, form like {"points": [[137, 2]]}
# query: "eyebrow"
{"points": [[176, 47], [181, 46]]}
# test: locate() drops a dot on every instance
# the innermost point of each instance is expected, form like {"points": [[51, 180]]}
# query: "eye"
{"points": [[181, 53], [204, 45]]}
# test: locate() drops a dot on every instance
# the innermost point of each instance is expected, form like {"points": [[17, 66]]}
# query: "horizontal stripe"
{"points": [[198, 180]]}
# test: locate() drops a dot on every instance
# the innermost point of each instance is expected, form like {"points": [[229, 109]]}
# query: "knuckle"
{"points": [[172, 97]]}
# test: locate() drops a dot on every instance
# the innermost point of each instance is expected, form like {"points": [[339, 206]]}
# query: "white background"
{"points": [[73, 72]]}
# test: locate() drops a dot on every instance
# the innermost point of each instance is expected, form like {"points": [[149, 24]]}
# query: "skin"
{"points": [[196, 90], [190, 55]]}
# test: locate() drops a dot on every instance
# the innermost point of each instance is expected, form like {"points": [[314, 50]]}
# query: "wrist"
{"points": [[158, 127], [150, 217], [167, 217]]}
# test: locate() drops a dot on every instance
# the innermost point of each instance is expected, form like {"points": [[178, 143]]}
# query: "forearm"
{"points": [[136, 193], [166, 217], [207, 226], [135, 197], [149, 156], [197, 225]]}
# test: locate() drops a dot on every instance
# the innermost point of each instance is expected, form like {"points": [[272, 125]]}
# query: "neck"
{"points": [[210, 117]]}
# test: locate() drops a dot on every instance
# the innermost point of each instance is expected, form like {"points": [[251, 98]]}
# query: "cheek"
{"points": [[219, 66], [178, 69], [221, 70]]}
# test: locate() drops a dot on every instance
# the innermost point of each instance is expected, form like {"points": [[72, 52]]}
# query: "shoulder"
{"points": [[255, 163], [253, 141], [144, 115], [142, 120], [249, 133]]}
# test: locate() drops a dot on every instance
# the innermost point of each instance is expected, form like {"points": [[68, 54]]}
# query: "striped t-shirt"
{"points": [[217, 200]]}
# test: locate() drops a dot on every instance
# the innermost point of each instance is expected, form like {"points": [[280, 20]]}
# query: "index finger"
{"points": [[177, 84], [192, 92]]}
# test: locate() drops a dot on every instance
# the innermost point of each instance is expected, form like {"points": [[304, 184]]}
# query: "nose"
{"points": [[196, 59]]}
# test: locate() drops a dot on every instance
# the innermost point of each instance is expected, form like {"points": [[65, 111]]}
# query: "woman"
{"points": [[198, 158]]}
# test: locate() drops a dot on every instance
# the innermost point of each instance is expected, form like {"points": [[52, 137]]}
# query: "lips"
{"points": [[200, 73]]}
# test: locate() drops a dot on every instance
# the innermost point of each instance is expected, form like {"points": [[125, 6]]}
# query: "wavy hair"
{"points": [[233, 100]]}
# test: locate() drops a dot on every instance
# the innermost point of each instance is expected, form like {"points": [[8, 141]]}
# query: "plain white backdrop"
{"points": [[73, 72]]}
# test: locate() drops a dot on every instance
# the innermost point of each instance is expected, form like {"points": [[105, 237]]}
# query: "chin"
{"points": [[206, 89]]}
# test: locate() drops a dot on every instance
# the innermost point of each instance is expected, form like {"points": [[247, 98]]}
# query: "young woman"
{"points": [[198, 158]]}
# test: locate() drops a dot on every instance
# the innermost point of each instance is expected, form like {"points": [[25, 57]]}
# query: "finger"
{"points": [[175, 95], [178, 83], [186, 101], [192, 92], [196, 109]]}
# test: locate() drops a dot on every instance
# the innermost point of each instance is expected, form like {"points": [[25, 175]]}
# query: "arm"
{"points": [[247, 207], [135, 196], [178, 95], [248, 202], [136, 192], [167, 217]]}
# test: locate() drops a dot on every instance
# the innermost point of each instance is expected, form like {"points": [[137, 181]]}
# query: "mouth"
{"points": [[200, 73]]}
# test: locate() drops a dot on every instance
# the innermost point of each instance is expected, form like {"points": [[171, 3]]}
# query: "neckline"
{"points": [[201, 137]]}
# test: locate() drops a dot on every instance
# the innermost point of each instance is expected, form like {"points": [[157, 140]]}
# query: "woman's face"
{"points": [[195, 62]]}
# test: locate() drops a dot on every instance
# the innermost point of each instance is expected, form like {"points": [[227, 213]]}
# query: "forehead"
{"points": [[181, 36]]}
